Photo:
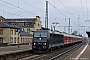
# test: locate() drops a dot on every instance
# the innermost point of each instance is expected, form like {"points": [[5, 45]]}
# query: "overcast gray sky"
{"points": [[77, 10]]}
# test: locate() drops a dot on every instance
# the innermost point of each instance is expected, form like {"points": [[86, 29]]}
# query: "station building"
{"points": [[6, 33], [27, 24], [8, 27]]}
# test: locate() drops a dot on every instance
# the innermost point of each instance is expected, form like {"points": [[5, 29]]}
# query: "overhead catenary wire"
{"points": [[37, 8], [32, 6], [10, 13], [10, 8], [18, 7], [82, 9], [60, 12], [87, 9], [7, 6], [67, 9], [13, 8], [57, 9], [75, 14], [29, 11]]}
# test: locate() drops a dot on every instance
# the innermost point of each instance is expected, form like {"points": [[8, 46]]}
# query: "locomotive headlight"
{"points": [[40, 39], [34, 43], [44, 43]]}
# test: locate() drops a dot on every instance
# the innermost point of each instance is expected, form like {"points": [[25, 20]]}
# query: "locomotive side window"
{"points": [[56, 38]]}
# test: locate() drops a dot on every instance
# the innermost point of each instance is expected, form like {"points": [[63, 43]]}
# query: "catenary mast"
{"points": [[46, 16]]}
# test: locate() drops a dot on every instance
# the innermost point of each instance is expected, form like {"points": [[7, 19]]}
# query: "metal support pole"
{"points": [[54, 28], [46, 16], [69, 27], [18, 39], [65, 26]]}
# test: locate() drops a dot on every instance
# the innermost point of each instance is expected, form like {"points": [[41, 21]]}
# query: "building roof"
{"points": [[25, 34], [21, 22], [5, 25], [20, 19]]}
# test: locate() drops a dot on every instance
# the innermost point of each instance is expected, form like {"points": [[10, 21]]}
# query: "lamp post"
{"points": [[18, 39], [18, 30]]}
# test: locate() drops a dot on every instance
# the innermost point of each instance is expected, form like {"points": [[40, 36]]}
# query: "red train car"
{"points": [[69, 39]]}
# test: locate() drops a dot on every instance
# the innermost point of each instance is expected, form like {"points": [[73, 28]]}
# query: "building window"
{"points": [[1, 39], [18, 40], [38, 24], [14, 39], [11, 39], [1, 31], [21, 24], [31, 24], [12, 23], [28, 30], [14, 32], [27, 24], [11, 32], [21, 40]]}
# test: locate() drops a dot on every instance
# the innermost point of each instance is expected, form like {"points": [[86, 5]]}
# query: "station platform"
{"points": [[83, 53], [14, 49]]}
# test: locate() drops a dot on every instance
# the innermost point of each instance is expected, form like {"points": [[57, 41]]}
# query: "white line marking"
{"points": [[77, 57]]}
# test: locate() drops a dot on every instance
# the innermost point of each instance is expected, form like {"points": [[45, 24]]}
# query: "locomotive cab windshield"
{"points": [[40, 34]]}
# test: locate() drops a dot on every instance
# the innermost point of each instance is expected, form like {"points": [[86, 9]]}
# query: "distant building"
{"points": [[9, 36], [27, 24], [8, 27]]}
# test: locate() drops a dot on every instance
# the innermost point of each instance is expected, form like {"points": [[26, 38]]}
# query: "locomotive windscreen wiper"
{"points": [[40, 35]]}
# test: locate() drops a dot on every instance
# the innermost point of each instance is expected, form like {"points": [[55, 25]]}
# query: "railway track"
{"points": [[47, 56], [32, 57], [54, 54], [61, 52]]}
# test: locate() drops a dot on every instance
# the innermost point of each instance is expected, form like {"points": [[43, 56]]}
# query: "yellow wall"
{"points": [[36, 27], [26, 39], [15, 36], [6, 35]]}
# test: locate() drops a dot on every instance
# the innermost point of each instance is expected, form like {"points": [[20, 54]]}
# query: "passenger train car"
{"points": [[46, 40]]}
